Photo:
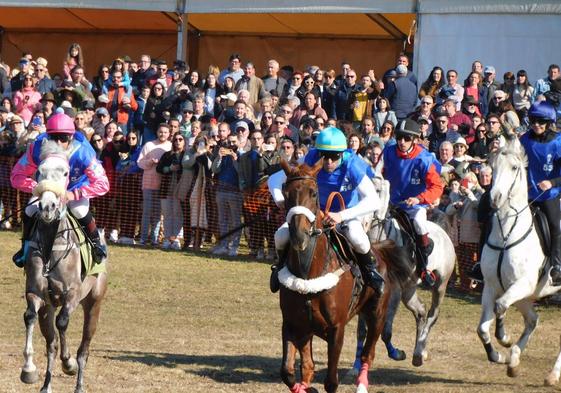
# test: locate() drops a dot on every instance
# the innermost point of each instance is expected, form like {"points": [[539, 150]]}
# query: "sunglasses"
{"points": [[426, 103], [492, 122], [179, 140], [131, 138], [406, 138], [351, 76], [280, 123], [534, 120], [96, 140], [331, 155], [60, 137], [286, 147]]}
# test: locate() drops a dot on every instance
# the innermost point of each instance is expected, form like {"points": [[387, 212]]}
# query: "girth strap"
{"points": [[503, 249]]}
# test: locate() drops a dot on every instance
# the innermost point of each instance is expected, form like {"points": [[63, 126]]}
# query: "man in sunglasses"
{"points": [[87, 179], [346, 173], [415, 184], [543, 147]]}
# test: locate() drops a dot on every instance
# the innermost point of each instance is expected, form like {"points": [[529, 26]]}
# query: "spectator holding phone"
{"points": [[27, 100]]}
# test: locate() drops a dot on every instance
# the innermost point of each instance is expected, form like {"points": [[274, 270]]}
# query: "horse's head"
{"points": [[301, 201], [52, 181], [509, 187]]}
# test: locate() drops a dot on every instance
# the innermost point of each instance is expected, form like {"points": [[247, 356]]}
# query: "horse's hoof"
{"points": [[70, 367], [551, 379], [79, 390], [397, 355], [418, 360], [361, 389], [506, 341], [29, 377], [513, 372]]}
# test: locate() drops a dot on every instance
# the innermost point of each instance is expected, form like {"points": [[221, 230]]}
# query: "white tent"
{"points": [[510, 35]]}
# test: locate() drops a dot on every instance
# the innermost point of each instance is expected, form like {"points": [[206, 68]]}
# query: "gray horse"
{"points": [[441, 261], [55, 276]]}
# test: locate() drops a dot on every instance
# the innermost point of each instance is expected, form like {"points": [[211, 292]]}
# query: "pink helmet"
{"points": [[60, 124]]}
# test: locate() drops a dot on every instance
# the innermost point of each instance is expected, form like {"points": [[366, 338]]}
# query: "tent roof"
{"points": [[373, 26]]}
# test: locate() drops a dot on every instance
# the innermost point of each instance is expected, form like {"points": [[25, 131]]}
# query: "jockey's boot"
{"points": [[20, 257], [370, 274], [426, 245], [274, 283], [99, 251], [555, 255]]}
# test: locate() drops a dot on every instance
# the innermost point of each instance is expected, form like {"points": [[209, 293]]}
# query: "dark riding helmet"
{"points": [[542, 110], [408, 127]]}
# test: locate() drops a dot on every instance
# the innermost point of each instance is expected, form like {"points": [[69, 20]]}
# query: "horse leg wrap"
{"points": [[362, 378], [299, 388]]}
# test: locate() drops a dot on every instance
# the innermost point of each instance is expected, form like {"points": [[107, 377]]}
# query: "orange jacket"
{"points": [[122, 111]]}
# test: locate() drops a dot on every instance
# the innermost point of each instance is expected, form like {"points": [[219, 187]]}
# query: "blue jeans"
{"points": [[150, 215]]}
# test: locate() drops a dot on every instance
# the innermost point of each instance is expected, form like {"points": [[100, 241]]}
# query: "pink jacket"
{"points": [[89, 183], [26, 101], [153, 149]]}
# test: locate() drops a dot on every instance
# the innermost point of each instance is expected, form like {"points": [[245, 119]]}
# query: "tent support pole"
{"points": [[182, 28]]}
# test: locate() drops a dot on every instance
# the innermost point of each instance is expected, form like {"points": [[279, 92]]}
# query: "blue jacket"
{"points": [[345, 179], [402, 94], [544, 163]]}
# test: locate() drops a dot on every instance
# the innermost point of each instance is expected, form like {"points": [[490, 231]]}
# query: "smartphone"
{"points": [[36, 121], [268, 147], [201, 145], [465, 183]]}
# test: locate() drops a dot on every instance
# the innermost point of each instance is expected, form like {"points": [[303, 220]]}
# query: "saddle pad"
{"points": [[89, 267]]}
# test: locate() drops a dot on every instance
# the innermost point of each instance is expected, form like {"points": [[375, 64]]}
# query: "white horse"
{"points": [[441, 261], [513, 264]]}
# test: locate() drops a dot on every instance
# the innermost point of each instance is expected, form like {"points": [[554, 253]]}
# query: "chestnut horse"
{"points": [[320, 294]]}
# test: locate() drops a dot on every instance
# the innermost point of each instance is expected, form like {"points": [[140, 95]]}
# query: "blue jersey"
{"points": [[81, 156], [345, 179], [544, 163], [407, 177]]}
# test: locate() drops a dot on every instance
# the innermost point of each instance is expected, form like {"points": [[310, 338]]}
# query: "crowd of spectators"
{"points": [[188, 151]]}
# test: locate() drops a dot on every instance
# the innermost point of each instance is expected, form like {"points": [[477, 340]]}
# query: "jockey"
{"points": [[543, 148], [415, 184], [87, 180], [346, 173]]}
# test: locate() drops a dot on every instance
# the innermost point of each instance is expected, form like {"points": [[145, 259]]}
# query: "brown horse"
{"points": [[55, 277], [319, 294]]}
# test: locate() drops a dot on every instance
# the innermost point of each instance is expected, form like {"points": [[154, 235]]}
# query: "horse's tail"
{"points": [[395, 261]]}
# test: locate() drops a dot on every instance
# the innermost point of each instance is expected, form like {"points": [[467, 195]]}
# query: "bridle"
{"points": [[296, 210]]}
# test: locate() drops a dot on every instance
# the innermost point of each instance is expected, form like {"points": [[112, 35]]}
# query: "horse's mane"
{"points": [[51, 147], [513, 147]]}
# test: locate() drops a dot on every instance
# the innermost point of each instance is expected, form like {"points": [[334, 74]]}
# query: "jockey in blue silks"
{"points": [[543, 148], [346, 173], [415, 184]]}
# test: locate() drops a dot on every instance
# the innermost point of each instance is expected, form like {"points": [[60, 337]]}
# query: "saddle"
{"points": [[406, 225], [542, 228], [88, 266]]}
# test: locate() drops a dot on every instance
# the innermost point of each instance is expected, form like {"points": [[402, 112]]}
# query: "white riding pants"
{"points": [[352, 229], [79, 208], [419, 217]]}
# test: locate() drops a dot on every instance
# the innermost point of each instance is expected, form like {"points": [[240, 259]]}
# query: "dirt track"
{"points": [[178, 323]]}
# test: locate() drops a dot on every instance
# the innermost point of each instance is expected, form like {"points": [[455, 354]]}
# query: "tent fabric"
{"points": [[229, 6], [509, 42], [489, 7]]}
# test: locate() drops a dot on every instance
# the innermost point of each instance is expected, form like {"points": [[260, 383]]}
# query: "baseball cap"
{"points": [[241, 124], [489, 70], [101, 112]]}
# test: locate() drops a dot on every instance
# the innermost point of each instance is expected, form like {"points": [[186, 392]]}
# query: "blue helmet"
{"points": [[543, 110], [331, 139]]}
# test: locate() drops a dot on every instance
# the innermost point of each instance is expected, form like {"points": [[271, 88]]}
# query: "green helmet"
{"points": [[331, 139]]}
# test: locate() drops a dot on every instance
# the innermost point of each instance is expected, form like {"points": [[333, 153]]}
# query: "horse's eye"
{"points": [[314, 194], [65, 174], [515, 167]]}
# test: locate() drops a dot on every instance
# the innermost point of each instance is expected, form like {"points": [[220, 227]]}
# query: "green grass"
{"points": [[176, 322]]}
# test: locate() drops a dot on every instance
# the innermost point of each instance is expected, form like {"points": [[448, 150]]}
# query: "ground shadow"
{"points": [[237, 369]]}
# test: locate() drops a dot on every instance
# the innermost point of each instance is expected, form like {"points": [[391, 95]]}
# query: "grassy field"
{"points": [[175, 322]]}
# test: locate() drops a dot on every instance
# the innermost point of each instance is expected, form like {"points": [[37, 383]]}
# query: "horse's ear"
{"points": [[317, 167], [285, 167]]}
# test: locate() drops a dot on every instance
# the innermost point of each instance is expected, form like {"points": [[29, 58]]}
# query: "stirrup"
{"points": [[274, 283], [555, 274], [475, 273], [428, 278], [99, 252]]}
